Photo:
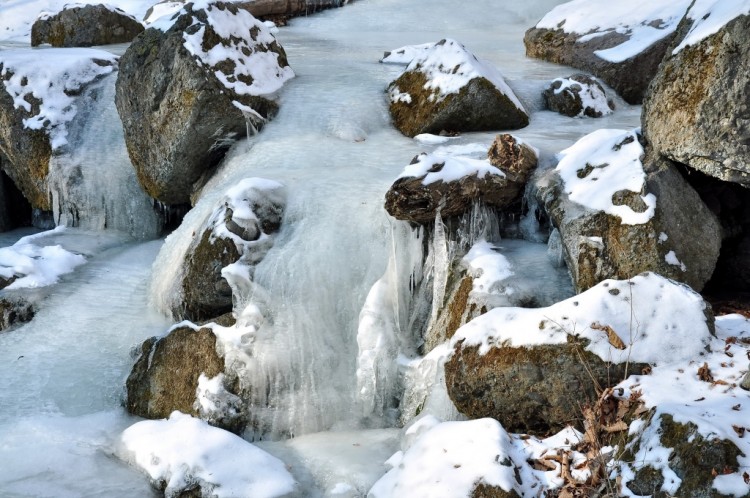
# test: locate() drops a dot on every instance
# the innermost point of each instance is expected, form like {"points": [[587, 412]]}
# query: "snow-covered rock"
{"points": [[239, 232], [80, 25], [187, 93], [183, 455], [404, 55], [621, 212], [447, 88], [620, 42], [182, 371], [578, 95], [451, 184], [532, 369], [37, 103], [696, 111]]}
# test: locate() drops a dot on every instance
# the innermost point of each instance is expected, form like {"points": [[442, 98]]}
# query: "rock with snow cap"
{"points": [[532, 369], [84, 26], [452, 184], [38, 99], [622, 43], [446, 88], [239, 231], [697, 111], [187, 93], [578, 95], [621, 211]]}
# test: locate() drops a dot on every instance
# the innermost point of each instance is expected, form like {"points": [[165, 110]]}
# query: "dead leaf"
{"points": [[739, 430], [746, 477], [737, 407], [699, 399], [612, 336], [618, 426], [704, 373]]}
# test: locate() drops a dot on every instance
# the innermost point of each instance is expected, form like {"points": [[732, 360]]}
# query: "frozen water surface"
{"points": [[334, 149]]}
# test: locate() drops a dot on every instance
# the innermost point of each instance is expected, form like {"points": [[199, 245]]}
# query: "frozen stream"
{"points": [[333, 147]]}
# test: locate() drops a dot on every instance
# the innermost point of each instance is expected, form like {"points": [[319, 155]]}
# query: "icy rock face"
{"points": [[168, 373], [446, 88], [85, 26], [618, 211], [532, 369], [239, 232], [186, 94], [451, 185], [37, 101], [621, 43], [696, 112], [578, 95]]}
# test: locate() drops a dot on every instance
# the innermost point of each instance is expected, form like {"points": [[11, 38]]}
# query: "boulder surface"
{"points": [[85, 26]]}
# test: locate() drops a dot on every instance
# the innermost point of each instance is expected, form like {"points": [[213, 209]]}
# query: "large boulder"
{"points": [[578, 95], [533, 369], [185, 94], [84, 26], [37, 102], [446, 88], [240, 231], [183, 371], [619, 44], [697, 111], [451, 185], [621, 212]]}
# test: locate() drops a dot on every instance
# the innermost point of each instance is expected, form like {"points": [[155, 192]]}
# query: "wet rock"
{"points": [[36, 107], [660, 225], [14, 311], [629, 78], [578, 95], [15, 210], [469, 95], [239, 231], [697, 111], [694, 459], [452, 184], [85, 26], [745, 384], [166, 374], [181, 110]]}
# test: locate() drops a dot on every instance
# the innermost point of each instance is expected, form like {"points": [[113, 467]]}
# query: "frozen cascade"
{"points": [[334, 149], [91, 181]]}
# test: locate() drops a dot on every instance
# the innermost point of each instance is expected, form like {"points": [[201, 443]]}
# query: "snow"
{"points": [[592, 96], [160, 11], [213, 401], [658, 321], [709, 16], [614, 160], [487, 267], [448, 67], [454, 168], [404, 55], [36, 265], [50, 76], [450, 459], [644, 22], [671, 258], [183, 451], [16, 18], [261, 67], [716, 407], [430, 139]]}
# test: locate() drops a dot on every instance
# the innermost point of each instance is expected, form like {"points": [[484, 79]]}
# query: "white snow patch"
{"points": [[487, 267], [614, 160], [592, 96], [671, 258], [644, 22], [453, 168], [160, 11], [213, 401], [663, 237], [430, 139], [658, 321], [448, 67], [709, 16], [35, 265], [182, 450], [50, 76], [404, 55]]}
